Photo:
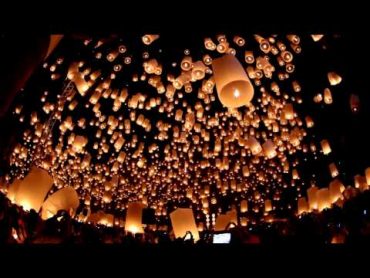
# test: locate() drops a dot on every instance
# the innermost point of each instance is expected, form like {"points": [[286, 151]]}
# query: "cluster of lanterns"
{"points": [[128, 129]]}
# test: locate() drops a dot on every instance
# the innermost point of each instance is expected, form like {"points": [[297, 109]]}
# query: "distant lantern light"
{"points": [[325, 146], [254, 145], [209, 44], [287, 56], [333, 170], [249, 57], [316, 37], [239, 41], [354, 103], [334, 78], [268, 205], [243, 206], [149, 39], [269, 149], [327, 96], [186, 63], [265, 46]]}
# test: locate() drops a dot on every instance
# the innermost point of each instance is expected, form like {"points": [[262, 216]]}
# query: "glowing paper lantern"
{"points": [[288, 111], [323, 199], [222, 221], [328, 99], [249, 57], [209, 44], [134, 218], [367, 175], [269, 149], [333, 170], [245, 170], [32, 189], [325, 146], [317, 37], [239, 41], [64, 199], [254, 145], [186, 63], [243, 206], [148, 39], [234, 88], [312, 197], [295, 175], [182, 220], [302, 205], [13, 190], [199, 70], [107, 197], [244, 221], [360, 183], [101, 218], [309, 121], [334, 78], [79, 143], [354, 102], [336, 189], [287, 56], [3, 185], [268, 205]]}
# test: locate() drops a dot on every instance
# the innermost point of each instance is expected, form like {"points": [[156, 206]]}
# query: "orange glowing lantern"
{"points": [[269, 149], [328, 99], [302, 205], [325, 146], [334, 78], [323, 199], [134, 218], [312, 198], [148, 39], [367, 175], [234, 88], [64, 199], [183, 221], [333, 170]]}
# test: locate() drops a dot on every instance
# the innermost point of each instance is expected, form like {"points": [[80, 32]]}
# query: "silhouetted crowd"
{"points": [[349, 224]]}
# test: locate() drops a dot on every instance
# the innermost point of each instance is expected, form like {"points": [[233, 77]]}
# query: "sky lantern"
{"points": [[302, 205], [333, 170], [269, 149], [367, 175], [317, 37], [354, 102], [243, 206], [312, 198], [183, 221], [32, 189], [233, 86], [64, 199], [334, 78], [325, 146], [323, 199], [134, 218], [149, 39], [336, 189]]}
